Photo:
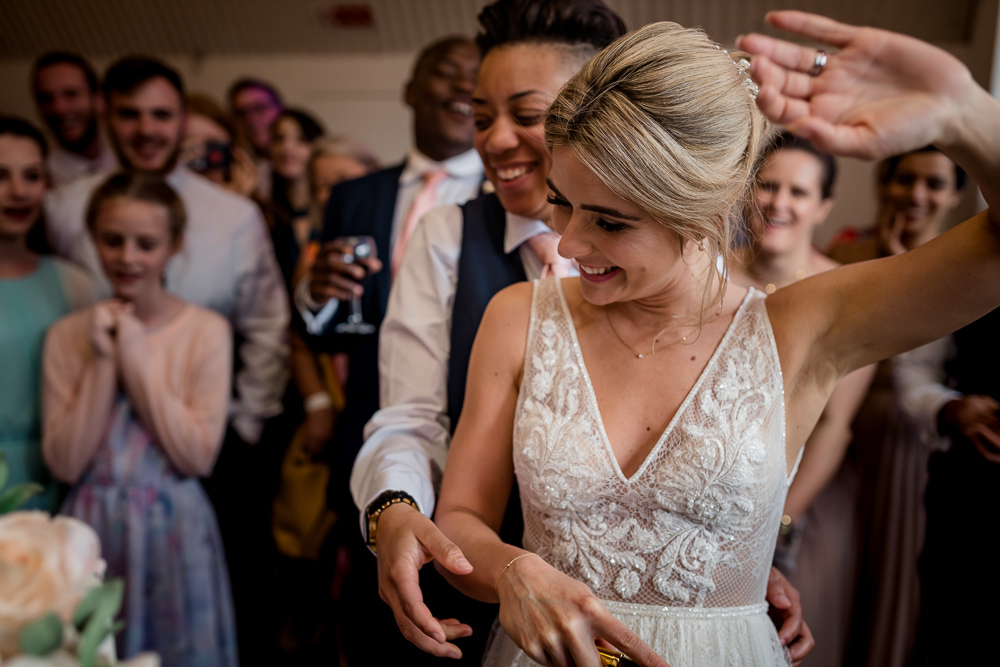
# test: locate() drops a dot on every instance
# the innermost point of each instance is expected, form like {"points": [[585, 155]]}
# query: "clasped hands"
{"points": [[112, 322]]}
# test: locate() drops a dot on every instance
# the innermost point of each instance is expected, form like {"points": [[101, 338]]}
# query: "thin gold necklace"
{"points": [[637, 353]]}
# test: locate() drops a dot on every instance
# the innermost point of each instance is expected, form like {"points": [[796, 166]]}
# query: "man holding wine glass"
{"points": [[359, 250], [341, 303]]}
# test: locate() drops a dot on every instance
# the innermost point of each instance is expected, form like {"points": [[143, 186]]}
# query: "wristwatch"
{"points": [[384, 500]]}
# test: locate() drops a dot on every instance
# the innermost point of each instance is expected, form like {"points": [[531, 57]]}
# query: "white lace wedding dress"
{"points": [[681, 550]]}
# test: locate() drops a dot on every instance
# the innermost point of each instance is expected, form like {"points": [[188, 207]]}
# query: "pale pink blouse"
{"points": [[176, 377]]}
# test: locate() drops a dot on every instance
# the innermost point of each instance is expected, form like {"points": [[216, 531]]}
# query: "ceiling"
{"points": [[220, 27]]}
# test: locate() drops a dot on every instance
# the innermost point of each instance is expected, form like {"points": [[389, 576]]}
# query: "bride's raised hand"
{"points": [[556, 619], [880, 94]]}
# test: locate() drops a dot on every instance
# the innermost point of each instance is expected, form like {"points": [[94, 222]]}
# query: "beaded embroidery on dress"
{"points": [[680, 551]]}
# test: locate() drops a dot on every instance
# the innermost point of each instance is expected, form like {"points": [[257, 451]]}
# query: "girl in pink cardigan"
{"points": [[135, 394]]}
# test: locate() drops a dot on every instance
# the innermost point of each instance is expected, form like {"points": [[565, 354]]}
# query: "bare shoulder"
{"points": [[512, 303], [504, 329]]}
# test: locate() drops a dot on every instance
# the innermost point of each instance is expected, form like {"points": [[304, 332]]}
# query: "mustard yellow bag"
{"points": [[301, 518]]}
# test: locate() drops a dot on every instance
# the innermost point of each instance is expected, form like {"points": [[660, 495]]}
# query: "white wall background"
{"points": [[360, 96]]}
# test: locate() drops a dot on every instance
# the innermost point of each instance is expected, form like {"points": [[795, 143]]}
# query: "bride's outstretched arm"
{"points": [[878, 94], [550, 615]]}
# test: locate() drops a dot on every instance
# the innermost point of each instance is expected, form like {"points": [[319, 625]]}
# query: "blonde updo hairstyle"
{"points": [[665, 120]]}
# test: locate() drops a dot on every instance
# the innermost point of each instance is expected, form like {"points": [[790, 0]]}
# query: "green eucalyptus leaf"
{"points": [[16, 496], [41, 636], [86, 607], [100, 623]]}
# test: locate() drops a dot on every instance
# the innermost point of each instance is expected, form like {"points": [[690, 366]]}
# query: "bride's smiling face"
{"points": [[623, 253]]}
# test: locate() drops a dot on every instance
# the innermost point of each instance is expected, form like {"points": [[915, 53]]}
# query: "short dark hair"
{"points": [[572, 22], [888, 167], [434, 52], [250, 82], [788, 141], [128, 73], [19, 127], [63, 57], [144, 187]]}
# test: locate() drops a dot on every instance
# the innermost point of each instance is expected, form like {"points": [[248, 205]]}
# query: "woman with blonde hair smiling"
{"points": [[655, 416]]}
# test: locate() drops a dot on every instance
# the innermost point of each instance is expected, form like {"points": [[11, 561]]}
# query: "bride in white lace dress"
{"points": [[653, 415]]}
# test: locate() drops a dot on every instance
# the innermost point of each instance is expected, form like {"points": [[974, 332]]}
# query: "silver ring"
{"points": [[819, 62]]}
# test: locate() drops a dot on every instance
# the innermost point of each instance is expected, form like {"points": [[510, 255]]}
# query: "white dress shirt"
{"points": [[65, 167], [464, 180], [919, 376], [226, 263], [406, 441]]}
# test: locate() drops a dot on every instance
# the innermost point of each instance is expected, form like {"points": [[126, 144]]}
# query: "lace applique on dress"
{"points": [[695, 526]]}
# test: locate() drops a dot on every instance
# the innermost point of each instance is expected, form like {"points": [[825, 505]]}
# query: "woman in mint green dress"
{"points": [[36, 289]]}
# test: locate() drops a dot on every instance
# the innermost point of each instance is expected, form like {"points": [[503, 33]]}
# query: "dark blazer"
{"points": [[364, 206], [962, 517]]}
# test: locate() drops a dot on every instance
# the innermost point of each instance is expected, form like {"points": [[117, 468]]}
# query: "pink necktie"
{"points": [[425, 200], [545, 246]]}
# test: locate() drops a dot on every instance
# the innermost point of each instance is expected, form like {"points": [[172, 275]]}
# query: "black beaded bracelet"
{"points": [[379, 505]]}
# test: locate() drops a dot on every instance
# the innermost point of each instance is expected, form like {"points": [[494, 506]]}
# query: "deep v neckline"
{"points": [[592, 395]]}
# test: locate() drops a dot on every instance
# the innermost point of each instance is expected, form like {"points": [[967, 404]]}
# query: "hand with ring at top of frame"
{"points": [[882, 94]]}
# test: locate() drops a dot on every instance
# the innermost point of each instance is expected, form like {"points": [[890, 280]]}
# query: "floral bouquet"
{"points": [[54, 609]]}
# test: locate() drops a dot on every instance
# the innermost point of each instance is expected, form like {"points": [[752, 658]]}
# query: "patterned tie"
{"points": [[425, 200], [545, 246]]}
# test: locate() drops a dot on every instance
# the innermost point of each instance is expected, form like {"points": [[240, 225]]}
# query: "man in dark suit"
{"points": [[379, 205], [441, 168], [961, 503]]}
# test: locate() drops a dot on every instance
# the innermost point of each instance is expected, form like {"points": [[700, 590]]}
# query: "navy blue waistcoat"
{"points": [[483, 270]]}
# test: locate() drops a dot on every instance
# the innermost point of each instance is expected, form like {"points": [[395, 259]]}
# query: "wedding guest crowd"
{"points": [[249, 355]]}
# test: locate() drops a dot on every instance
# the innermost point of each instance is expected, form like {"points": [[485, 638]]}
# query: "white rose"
{"points": [[46, 565]]}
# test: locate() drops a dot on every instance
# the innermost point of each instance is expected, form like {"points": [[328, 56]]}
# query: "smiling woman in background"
{"points": [[292, 136], [793, 195], [918, 190], [36, 289]]}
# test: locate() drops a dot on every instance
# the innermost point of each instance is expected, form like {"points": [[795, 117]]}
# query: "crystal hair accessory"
{"points": [[743, 69]]}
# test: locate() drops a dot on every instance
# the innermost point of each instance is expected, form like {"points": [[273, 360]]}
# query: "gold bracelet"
{"points": [[512, 561]]}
